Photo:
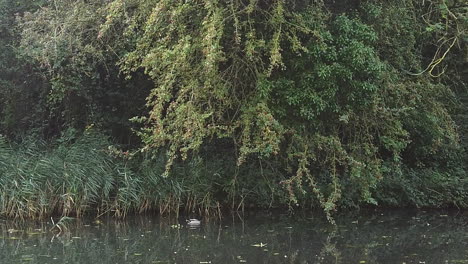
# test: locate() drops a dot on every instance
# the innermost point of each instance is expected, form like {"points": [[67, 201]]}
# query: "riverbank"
{"points": [[88, 175], [123, 107]]}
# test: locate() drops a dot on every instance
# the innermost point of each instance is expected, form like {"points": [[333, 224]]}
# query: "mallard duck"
{"points": [[193, 222]]}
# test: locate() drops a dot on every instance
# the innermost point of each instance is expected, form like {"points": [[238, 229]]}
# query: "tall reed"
{"points": [[71, 178], [86, 174]]}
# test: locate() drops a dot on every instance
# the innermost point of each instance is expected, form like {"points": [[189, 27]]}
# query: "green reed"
{"points": [[89, 175], [86, 174]]}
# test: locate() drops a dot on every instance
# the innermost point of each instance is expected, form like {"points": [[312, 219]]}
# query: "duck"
{"points": [[193, 222]]}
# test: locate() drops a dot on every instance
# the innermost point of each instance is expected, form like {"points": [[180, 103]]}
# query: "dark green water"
{"points": [[369, 237]]}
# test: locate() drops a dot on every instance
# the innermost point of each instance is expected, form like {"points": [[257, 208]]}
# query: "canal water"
{"points": [[383, 236]]}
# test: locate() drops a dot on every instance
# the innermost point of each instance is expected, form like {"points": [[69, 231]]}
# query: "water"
{"points": [[402, 236]]}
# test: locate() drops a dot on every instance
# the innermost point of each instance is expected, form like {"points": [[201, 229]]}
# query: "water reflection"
{"points": [[375, 237]]}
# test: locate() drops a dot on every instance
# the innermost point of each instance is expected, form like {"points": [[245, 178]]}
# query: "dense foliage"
{"points": [[305, 103]]}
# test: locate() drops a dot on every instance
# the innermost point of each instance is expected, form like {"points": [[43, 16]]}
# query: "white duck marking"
{"points": [[193, 222]]}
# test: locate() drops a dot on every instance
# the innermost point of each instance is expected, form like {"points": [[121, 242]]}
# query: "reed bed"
{"points": [[86, 175], [89, 175]]}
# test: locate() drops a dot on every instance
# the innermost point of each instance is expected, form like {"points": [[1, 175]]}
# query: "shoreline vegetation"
{"points": [[131, 106], [88, 175]]}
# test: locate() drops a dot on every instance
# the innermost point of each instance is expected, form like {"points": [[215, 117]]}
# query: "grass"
{"points": [[86, 174], [36, 182]]}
